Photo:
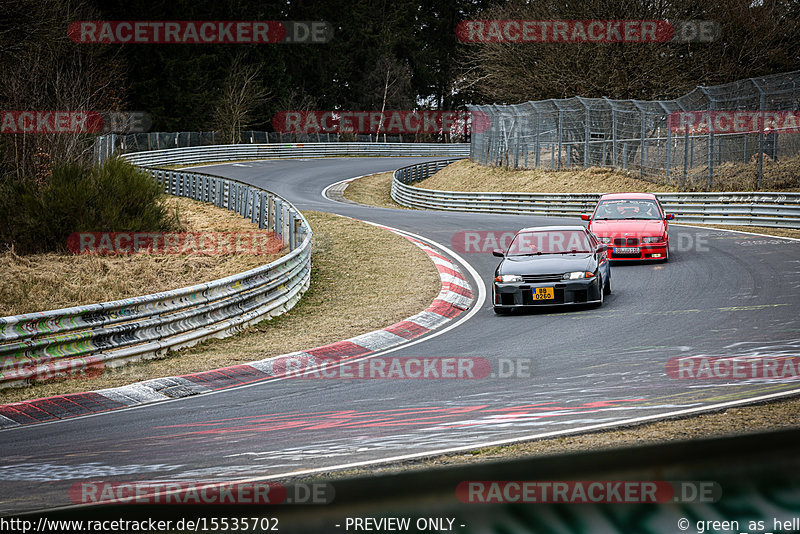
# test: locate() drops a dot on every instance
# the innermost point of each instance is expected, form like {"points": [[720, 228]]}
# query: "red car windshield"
{"points": [[622, 209], [549, 242]]}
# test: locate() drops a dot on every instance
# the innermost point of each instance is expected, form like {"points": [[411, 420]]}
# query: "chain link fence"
{"points": [[661, 141]]}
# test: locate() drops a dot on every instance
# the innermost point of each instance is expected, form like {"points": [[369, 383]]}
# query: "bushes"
{"points": [[116, 196]]}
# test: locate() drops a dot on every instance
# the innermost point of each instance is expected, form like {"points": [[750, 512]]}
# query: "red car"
{"points": [[633, 225]]}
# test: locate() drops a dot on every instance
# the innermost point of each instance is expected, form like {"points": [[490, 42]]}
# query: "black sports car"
{"points": [[551, 265]]}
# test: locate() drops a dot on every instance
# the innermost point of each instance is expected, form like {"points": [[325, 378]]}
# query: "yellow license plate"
{"points": [[543, 293]]}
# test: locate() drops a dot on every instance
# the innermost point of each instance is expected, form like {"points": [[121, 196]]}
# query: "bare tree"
{"points": [[44, 71], [389, 85], [241, 94], [756, 38]]}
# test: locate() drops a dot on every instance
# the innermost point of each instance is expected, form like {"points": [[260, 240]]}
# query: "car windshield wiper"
{"points": [[528, 254], [573, 252]]}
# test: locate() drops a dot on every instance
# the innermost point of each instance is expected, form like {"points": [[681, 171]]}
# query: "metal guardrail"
{"points": [[780, 210], [60, 341], [50, 343], [179, 156]]}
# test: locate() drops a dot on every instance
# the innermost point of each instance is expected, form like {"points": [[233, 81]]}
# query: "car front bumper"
{"points": [[520, 294], [657, 251]]}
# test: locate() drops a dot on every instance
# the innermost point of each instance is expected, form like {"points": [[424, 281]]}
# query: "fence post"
{"points": [[560, 131], [586, 133], [538, 130], [613, 131], [642, 152], [668, 155], [712, 105], [762, 105]]}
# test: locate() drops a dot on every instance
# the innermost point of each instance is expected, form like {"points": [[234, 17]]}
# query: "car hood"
{"points": [[547, 264], [635, 228]]}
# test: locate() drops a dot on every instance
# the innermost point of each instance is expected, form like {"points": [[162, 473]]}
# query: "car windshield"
{"points": [[622, 209], [549, 242]]}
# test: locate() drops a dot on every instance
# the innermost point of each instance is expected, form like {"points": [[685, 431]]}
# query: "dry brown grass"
{"points": [[363, 278], [783, 175], [49, 281], [468, 176], [373, 190]]}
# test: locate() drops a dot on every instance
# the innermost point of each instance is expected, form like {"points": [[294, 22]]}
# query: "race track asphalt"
{"points": [[722, 293]]}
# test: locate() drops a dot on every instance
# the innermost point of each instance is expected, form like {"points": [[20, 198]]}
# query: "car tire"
{"points": [[602, 292], [666, 259], [502, 311]]}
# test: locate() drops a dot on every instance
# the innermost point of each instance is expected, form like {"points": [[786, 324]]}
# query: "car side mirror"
{"points": [[499, 253], [602, 248], [586, 217], [669, 216]]}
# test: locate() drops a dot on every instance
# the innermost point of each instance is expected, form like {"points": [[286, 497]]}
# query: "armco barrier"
{"points": [[55, 342], [201, 154], [61, 341], [781, 210]]}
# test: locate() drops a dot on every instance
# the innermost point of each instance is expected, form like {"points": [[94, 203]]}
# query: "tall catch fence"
{"points": [[740, 134]]}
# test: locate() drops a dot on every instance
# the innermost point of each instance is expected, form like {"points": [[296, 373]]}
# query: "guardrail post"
{"points": [[262, 201], [279, 219], [271, 213], [292, 228], [285, 223]]}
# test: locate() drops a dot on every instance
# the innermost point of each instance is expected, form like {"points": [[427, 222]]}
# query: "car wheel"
{"points": [[602, 292], [502, 311], [666, 258]]}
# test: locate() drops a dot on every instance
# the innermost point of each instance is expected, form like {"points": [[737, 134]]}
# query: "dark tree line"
{"points": [[385, 54], [756, 38]]}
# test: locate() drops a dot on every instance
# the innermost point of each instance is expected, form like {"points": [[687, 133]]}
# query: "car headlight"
{"points": [[577, 275], [508, 278], [655, 239], [604, 239]]}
